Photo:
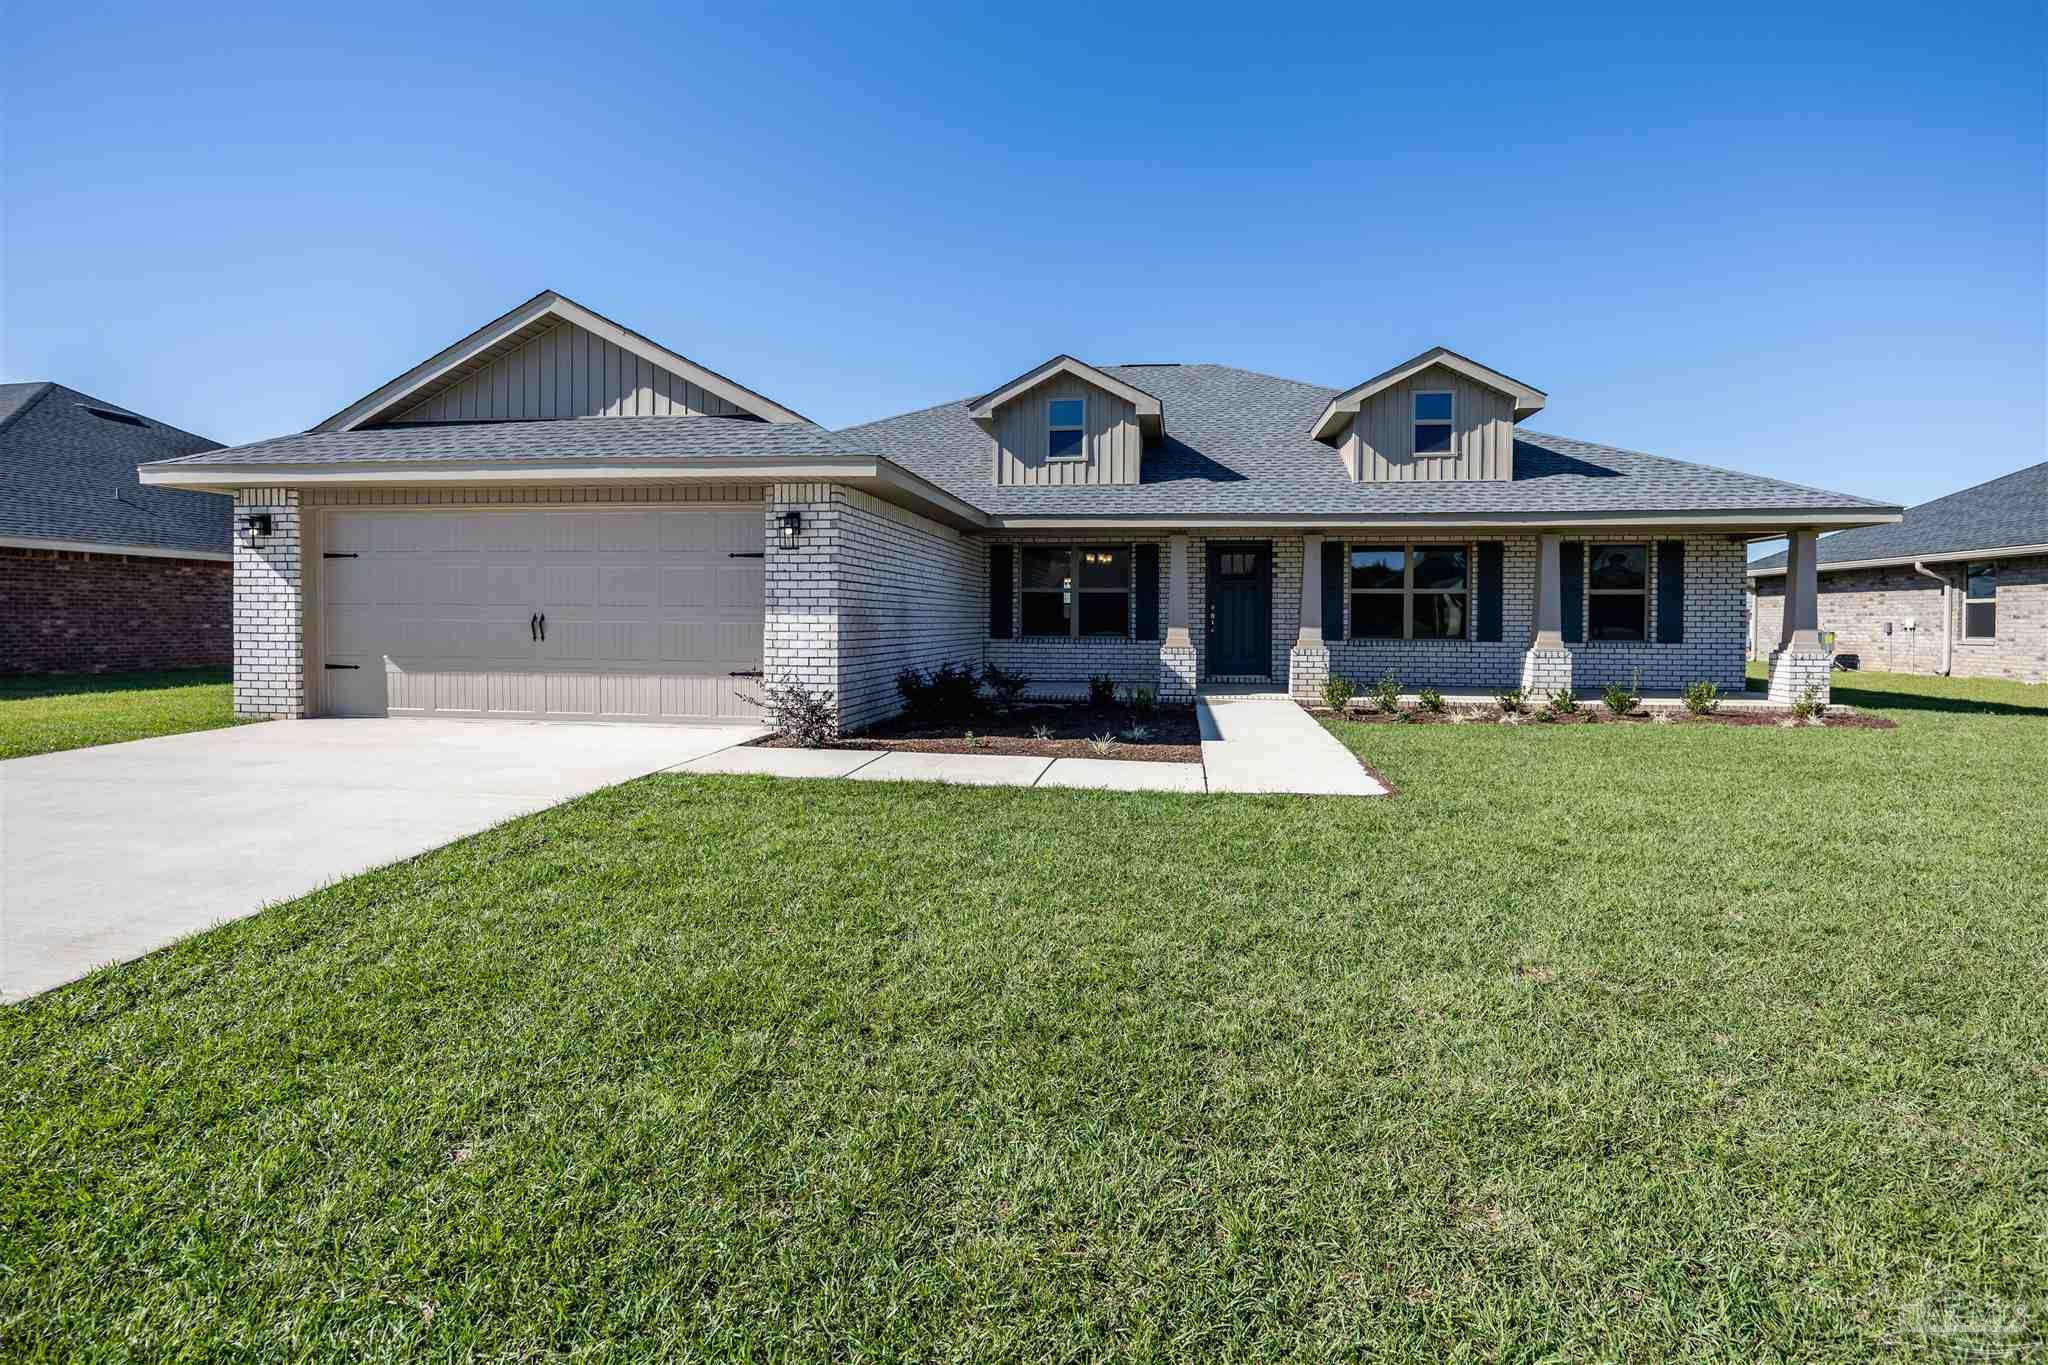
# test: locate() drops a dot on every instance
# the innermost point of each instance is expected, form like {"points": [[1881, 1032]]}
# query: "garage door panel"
{"points": [[647, 613]]}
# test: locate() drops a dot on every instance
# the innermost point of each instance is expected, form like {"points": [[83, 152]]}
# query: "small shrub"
{"points": [[956, 691], [1041, 732], [1337, 693], [1143, 700], [1386, 693], [1564, 702], [1618, 699], [1702, 698], [1137, 734], [916, 690], [1005, 686], [1101, 690], [1101, 744], [1807, 705], [975, 741], [804, 717], [1511, 702], [1431, 700]]}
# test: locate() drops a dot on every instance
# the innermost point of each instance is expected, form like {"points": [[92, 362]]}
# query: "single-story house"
{"points": [[556, 517], [1960, 586], [99, 572]]}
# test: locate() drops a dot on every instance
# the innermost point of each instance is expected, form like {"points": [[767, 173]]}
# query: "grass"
{"points": [[1626, 1042], [42, 715]]}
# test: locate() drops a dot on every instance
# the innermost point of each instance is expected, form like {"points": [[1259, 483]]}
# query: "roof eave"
{"points": [[1901, 561]]}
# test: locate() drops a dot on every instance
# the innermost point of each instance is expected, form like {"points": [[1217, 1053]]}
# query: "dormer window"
{"points": [[1065, 423], [1433, 421]]}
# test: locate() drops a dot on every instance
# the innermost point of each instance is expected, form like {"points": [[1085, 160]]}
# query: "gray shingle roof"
{"points": [[575, 438], [2010, 510], [1238, 442], [66, 474]]}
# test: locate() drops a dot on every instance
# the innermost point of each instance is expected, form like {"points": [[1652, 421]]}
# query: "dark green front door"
{"points": [[1240, 608]]}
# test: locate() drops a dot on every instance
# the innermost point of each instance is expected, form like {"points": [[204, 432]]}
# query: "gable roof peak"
{"points": [[513, 329], [1151, 414], [1528, 400]]}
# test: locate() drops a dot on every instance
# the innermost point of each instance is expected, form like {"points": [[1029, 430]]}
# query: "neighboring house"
{"points": [[99, 573], [1960, 586], [557, 517]]}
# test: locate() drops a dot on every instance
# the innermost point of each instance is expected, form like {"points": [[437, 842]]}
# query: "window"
{"points": [[1980, 602], [1433, 421], [1416, 592], [1618, 592], [1065, 426], [1077, 591]]}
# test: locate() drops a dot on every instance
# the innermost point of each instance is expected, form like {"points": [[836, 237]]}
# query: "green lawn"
{"points": [[40, 715], [1625, 1042]]}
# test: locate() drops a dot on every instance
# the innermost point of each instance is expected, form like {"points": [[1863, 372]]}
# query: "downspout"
{"points": [[1948, 628]]}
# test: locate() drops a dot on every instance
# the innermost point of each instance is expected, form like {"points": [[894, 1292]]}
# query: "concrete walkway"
{"points": [[113, 852], [1265, 744]]}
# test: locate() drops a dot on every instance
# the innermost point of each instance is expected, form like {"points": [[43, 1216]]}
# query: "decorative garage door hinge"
{"points": [[350, 555], [747, 554], [332, 667], [744, 673]]}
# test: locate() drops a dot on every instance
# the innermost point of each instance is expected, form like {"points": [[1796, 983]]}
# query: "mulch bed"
{"points": [[1173, 736], [1596, 714]]}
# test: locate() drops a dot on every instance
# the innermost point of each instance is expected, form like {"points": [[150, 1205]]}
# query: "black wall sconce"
{"points": [[792, 523], [256, 524]]}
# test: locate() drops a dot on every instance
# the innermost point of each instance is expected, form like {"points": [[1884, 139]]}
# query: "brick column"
{"points": [[1547, 666], [1177, 666], [270, 627], [1801, 662], [1308, 662]]}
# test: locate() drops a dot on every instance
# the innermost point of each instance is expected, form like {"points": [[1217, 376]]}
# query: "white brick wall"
{"points": [[270, 636], [864, 591]]}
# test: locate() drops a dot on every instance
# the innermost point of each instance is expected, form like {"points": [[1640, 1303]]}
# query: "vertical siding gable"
{"points": [[1112, 443], [1380, 445], [568, 372]]}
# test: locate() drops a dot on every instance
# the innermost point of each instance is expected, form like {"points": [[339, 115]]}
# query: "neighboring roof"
{"points": [[2005, 513], [511, 330], [572, 438], [68, 476], [1239, 443], [1150, 416], [1528, 401]]}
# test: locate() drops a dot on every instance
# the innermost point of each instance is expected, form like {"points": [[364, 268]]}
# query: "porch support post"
{"points": [[1177, 649], [1547, 666], [1801, 663], [1308, 663]]}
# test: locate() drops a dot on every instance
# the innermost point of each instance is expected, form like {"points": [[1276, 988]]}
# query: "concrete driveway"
{"points": [[110, 853]]}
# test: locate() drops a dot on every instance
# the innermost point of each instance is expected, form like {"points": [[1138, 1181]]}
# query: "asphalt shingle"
{"points": [[2010, 510], [66, 474], [575, 438]]}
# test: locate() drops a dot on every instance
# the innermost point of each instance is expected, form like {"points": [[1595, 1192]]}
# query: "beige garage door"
{"points": [[636, 614]]}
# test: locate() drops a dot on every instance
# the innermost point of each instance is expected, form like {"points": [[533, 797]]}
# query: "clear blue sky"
{"points": [[1810, 245]]}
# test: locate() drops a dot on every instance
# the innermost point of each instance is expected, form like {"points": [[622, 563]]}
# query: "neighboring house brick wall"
{"points": [[1857, 605], [867, 590], [270, 628], [64, 611]]}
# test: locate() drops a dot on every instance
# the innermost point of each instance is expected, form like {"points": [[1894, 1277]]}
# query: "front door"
{"points": [[1240, 608]]}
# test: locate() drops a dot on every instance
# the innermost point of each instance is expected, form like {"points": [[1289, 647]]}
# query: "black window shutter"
{"points": [[1491, 578], [1572, 582], [1333, 590], [1148, 592], [1000, 558], [1671, 592]]}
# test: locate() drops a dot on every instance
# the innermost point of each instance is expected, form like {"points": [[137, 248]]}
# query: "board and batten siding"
{"points": [[567, 372], [1379, 447], [1111, 444]]}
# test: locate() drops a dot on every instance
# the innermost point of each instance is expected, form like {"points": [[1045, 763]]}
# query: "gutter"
{"points": [[1947, 626]]}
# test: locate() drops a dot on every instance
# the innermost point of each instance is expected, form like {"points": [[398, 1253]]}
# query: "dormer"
{"points": [[1433, 419], [1067, 422]]}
